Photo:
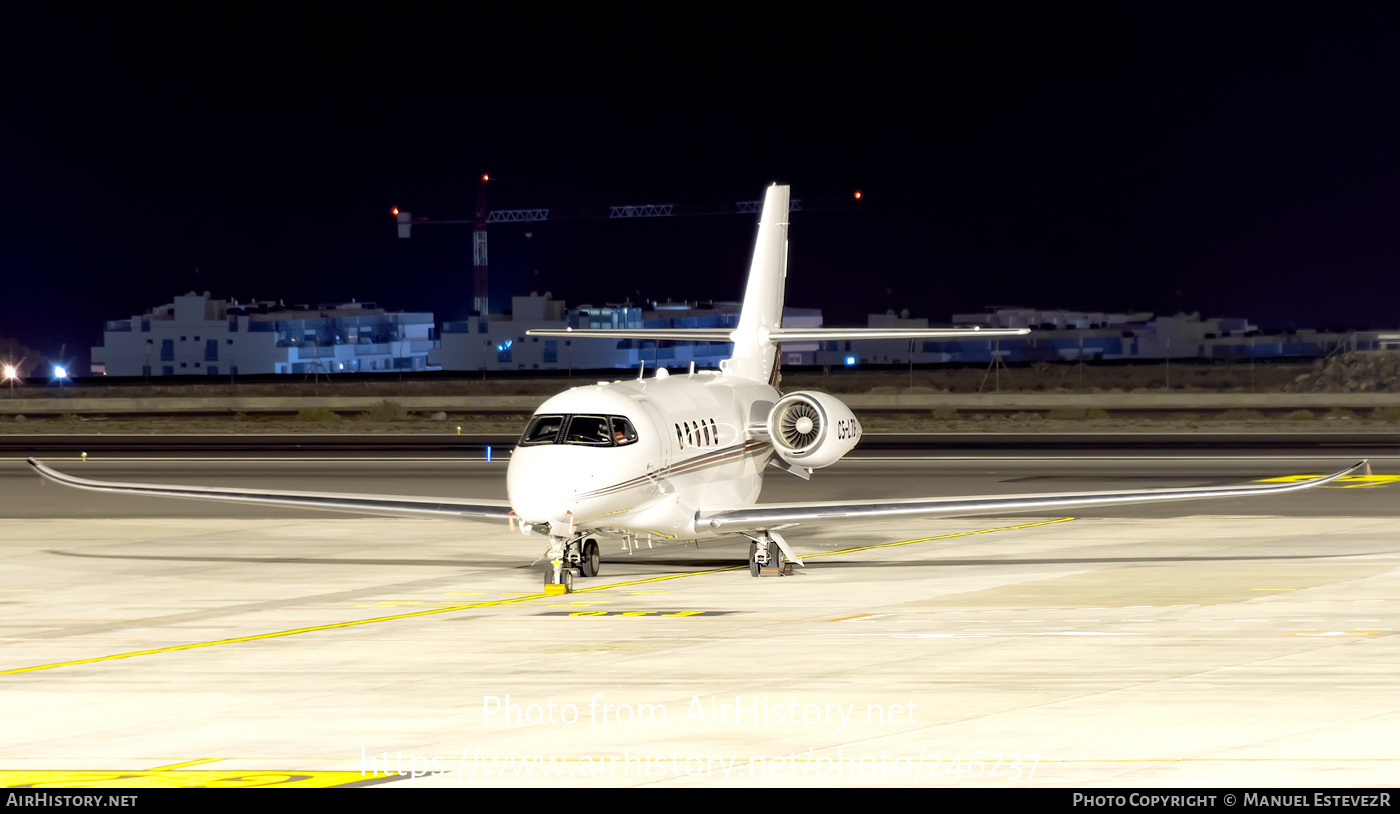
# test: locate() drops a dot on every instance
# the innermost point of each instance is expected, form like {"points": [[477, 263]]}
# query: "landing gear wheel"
{"points": [[775, 558], [566, 578], [753, 559], [592, 559]]}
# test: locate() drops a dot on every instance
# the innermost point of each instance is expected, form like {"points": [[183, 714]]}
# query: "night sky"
{"points": [[1160, 158]]}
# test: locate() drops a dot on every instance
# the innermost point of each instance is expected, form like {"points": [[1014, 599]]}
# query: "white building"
{"points": [[498, 342], [1070, 336], [1013, 317], [200, 336]]}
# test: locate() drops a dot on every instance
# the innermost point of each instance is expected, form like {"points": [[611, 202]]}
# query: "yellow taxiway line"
{"points": [[492, 603]]}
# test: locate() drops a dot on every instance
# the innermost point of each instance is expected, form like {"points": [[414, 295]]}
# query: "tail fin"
{"points": [[760, 321], [754, 354]]}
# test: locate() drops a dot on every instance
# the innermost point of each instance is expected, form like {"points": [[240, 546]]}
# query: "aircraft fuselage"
{"points": [[692, 448]]}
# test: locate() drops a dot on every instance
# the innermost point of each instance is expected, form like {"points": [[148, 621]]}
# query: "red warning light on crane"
{"points": [[395, 212], [485, 177], [857, 195]]}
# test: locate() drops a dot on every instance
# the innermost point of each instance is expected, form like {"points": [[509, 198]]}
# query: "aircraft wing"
{"points": [[392, 505], [776, 515]]}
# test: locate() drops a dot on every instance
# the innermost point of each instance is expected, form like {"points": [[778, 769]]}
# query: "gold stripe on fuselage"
{"points": [[699, 462]]}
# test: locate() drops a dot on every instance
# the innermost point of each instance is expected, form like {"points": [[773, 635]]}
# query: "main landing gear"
{"points": [[591, 560], [766, 558], [570, 557]]}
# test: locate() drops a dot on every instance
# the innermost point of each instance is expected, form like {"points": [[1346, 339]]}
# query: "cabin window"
{"points": [[705, 429], [714, 429]]}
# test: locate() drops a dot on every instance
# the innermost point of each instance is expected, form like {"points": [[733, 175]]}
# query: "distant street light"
{"points": [[11, 374]]}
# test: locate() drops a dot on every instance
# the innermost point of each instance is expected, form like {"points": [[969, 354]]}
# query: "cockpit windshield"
{"points": [[589, 431], [579, 430], [543, 430]]}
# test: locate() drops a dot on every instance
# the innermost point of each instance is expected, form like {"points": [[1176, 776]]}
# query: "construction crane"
{"points": [[484, 217]]}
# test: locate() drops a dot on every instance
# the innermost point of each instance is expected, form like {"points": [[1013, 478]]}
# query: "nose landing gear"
{"points": [[569, 557], [558, 577]]}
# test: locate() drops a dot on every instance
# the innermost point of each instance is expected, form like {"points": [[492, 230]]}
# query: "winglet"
{"points": [[1319, 481]]}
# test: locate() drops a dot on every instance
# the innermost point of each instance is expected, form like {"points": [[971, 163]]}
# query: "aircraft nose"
{"points": [[536, 494]]}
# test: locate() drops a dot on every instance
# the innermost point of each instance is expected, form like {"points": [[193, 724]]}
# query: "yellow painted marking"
{"points": [[156, 779], [492, 603], [847, 618], [278, 634], [822, 554], [660, 579], [185, 765], [939, 537], [1336, 633], [641, 613], [42, 780], [1346, 482]]}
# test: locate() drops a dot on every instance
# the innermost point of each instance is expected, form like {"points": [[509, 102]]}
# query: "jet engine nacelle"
{"points": [[812, 430]]}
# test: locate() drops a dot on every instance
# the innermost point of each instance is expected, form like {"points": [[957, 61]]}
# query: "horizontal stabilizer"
{"points": [[779, 334], [674, 334], [822, 334]]}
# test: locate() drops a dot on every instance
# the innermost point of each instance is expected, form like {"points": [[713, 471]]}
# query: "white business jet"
{"points": [[682, 456]]}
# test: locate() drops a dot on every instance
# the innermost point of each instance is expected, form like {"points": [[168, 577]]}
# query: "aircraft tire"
{"points": [[566, 578], [592, 559]]}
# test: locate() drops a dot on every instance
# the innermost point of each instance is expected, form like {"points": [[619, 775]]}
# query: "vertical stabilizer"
{"points": [[754, 355]]}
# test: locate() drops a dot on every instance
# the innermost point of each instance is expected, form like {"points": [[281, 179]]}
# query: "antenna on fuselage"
{"points": [[692, 367], [641, 370]]}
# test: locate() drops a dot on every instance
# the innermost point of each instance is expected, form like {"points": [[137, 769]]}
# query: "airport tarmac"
{"points": [[1232, 642]]}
